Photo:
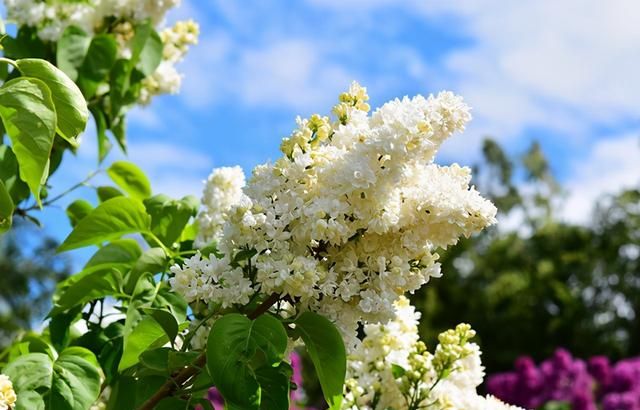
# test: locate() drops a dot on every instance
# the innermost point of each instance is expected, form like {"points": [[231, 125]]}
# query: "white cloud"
{"points": [[613, 164], [292, 73]]}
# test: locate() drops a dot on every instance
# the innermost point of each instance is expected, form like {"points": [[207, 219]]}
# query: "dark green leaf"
{"points": [[97, 63], [326, 349], [232, 343], [71, 108], [104, 145], [9, 173], [110, 220], [142, 333], [172, 403], [29, 119], [130, 178], [26, 44], [76, 380], [274, 385]]}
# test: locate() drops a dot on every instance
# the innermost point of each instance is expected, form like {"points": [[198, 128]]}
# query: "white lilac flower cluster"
{"points": [[391, 368], [166, 79], [51, 18], [222, 191], [118, 17], [7, 394], [352, 215]]}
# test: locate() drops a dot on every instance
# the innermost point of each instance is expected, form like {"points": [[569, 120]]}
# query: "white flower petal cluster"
{"points": [[222, 191], [203, 281], [391, 368], [7, 394], [351, 217], [51, 18]]}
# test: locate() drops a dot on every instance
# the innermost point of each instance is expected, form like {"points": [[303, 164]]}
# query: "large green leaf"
{"points": [[130, 178], [110, 220], [76, 380], [6, 208], [233, 342], [169, 216], [97, 63], [274, 385], [71, 49], [29, 118], [326, 349], [71, 108], [32, 371], [72, 382]]}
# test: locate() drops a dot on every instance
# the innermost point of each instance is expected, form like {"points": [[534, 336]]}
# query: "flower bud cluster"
{"points": [[393, 369]]}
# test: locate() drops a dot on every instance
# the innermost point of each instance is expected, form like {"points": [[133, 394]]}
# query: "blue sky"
{"points": [[565, 73]]}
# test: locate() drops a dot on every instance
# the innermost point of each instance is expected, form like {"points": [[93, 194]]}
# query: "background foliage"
{"points": [[544, 283]]}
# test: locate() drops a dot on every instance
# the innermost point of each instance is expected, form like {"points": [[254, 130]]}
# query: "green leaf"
{"points": [[77, 210], [130, 178], [60, 327], [142, 333], [107, 192], [125, 251], [118, 86], [151, 261], [9, 173], [169, 217], [71, 108], [326, 349], [32, 371], [26, 44], [6, 208], [172, 403], [30, 400], [110, 220], [166, 320], [29, 117], [75, 384], [90, 284], [274, 385], [71, 49], [147, 48], [233, 341], [104, 145], [397, 371], [97, 63]]}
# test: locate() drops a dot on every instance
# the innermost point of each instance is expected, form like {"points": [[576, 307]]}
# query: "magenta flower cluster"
{"points": [[585, 385]]}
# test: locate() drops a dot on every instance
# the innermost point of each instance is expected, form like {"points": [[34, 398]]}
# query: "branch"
{"points": [[184, 375]]}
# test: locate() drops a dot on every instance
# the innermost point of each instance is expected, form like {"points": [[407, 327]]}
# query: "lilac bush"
{"points": [[583, 385]]}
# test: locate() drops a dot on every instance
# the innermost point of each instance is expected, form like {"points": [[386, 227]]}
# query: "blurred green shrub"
{"points": [[545, 283]]}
